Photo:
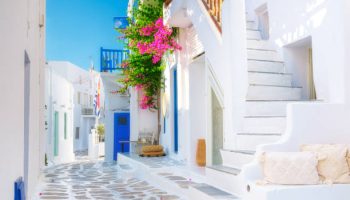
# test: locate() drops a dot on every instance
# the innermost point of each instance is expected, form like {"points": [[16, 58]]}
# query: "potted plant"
{"points": [[101, 132]]}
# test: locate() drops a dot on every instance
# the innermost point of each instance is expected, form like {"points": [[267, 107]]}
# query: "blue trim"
{"points": [[112, 59], [176, 134]]}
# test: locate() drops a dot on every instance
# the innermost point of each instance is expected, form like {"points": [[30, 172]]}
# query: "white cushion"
{"points": [[333, 166], [290, 168]]}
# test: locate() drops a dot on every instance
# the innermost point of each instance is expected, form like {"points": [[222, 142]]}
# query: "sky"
{"points": [[77, 29]]}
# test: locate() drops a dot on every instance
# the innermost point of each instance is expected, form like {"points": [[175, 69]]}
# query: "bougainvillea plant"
{"points": [[148, 39]]}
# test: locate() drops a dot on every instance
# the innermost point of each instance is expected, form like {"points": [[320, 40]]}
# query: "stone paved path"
{"points": [[95, 180]]}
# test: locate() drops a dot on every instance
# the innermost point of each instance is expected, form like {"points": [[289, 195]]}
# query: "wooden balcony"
{"points": [[167, 2], [214, 8]]}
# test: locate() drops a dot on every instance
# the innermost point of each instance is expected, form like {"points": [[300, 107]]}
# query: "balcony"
{"points": [[111, 59], [214, 8], [167, 2]]}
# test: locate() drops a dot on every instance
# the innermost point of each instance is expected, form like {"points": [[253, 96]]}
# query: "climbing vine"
{"points": [[148, 39]]}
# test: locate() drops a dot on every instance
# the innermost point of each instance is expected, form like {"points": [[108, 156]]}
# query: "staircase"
{"points": [[270, 90]]}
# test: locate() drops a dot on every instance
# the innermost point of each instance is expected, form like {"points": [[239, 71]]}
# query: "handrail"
{"points": [[112, 59], [214, 8]]}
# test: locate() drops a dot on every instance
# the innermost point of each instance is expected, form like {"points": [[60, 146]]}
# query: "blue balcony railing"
{"points": [[111, 59]]}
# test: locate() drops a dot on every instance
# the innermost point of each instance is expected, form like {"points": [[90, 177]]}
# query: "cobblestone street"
{"points": [[95, 180]]}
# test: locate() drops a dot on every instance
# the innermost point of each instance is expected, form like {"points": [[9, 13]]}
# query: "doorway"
{"points": [[264, 21], [310, 78], [56, 134], [121, 133], [217, 129]]}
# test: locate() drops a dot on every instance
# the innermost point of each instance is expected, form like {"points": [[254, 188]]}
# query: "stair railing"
{"points": [[214, 8]]}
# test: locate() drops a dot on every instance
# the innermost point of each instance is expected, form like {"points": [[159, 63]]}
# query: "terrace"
{"points": [[111, 59]]}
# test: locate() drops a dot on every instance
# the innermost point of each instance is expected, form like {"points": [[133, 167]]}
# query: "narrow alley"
{"points": [[86, 179]]}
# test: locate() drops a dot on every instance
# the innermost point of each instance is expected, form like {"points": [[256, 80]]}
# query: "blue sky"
{"points": [[76, 29]]}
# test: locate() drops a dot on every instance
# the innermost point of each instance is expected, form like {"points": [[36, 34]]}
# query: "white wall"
{"points": [[60, 99], [84, 84], [111, 103], [20, 32], [197, 107]]}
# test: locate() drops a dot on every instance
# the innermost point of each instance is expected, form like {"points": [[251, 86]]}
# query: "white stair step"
{"points": [[251, 25], [208, 192], [266, 66], [251, 141], [267, 108], [264, 125], [264, 55], [253, 34], [267, 78], [236, 158], [267, 92], [225, 178], [259, 44]]}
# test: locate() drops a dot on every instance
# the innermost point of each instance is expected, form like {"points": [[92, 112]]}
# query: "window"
{"points": [[91, 100], [77, 129], [85, 99], [79, 98], [65, 126], [122, 121]]}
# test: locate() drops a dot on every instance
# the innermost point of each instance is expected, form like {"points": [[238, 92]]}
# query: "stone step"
{"points": [[263, 55], [225, 178], [208, 192], [226, 169], [249, 142], [267, 108], [253, 34], [264, 125], [269, 92], [251, 25], [236, 158], [266, 66], [259, 44], [268, 78]]}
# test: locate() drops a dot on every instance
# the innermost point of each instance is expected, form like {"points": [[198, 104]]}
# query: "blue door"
{"points": [[121, 133], [176, 139]]}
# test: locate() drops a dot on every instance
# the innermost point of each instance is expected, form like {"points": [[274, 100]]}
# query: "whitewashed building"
{"points": [[112, 103], [22, 61], [71, 114], [254, 76]]}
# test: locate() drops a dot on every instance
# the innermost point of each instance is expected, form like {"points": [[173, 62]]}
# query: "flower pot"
{"points": [[201, 153]]}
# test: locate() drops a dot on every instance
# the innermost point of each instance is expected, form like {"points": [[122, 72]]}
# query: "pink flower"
{"points": [[156, 59], [147, 31], [138, 87], [146, 102]]}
